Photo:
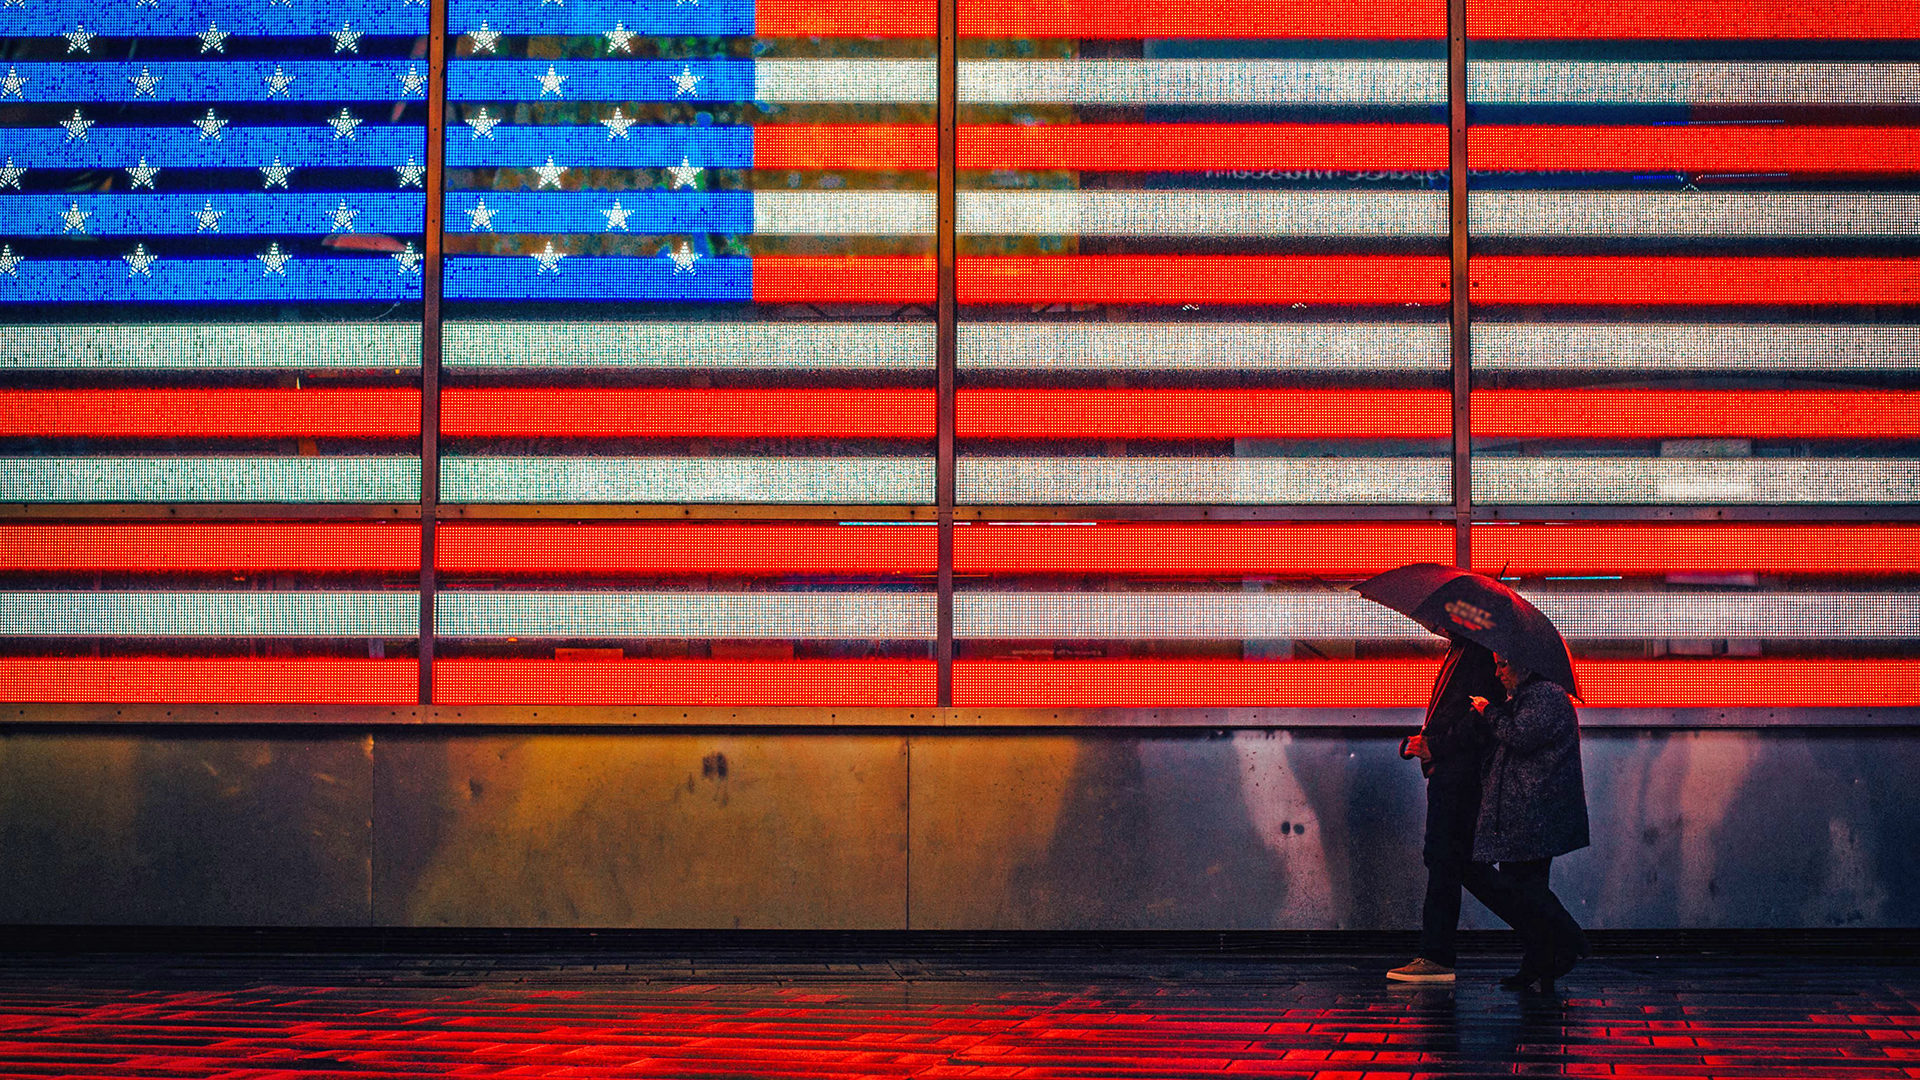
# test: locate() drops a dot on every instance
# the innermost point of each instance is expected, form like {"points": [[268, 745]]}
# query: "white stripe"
{"points": [[210, 479], [686, 480], [1204, 213], [1222, 346], [1504, 480], [780, 346], [799, 81], [1650, 82], [1772, 347], [1226, 481], [1205, 82], [839, 616], [847, 213], [221, 346], [1694, 213], [1579, 615], [210, 614]]}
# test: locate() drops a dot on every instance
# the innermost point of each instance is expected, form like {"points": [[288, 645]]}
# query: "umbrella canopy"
{"points": [[1449, 600]]}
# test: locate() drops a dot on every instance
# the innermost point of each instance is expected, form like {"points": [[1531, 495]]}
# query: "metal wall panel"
{"points": [[1277, 830], [160, 828], [777, 831]]}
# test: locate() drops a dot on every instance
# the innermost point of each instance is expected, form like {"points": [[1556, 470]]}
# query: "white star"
{"points": [[74, 219], [207, 219], [144, 82], [549, 259], [15, 3], [617, 124], [9, 262], [346, 39], [210, 126], [482, 124], [483, 39], [343, 125], [140, 261], [146, 3], [79, 40], [549, 173], [684, 174], [213, 39], [409, 259], [410, 173], [685, 82], [617, 217], [277, 82], [677, 3], [10, 174], [413, 82], [280, 3], [342, 217], [12, 85], [683, 258], [275, 175], [550, 82], [274, 259], [142, 175], [76, 126], [480, 217], [556, 3], [620, 37]]}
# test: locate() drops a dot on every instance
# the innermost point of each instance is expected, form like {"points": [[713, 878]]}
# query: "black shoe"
{"points": [[1569, 953]]}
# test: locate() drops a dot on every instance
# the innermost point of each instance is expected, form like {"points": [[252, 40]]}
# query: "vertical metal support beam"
{"points": [[946, 349], [1461, 308], [430, 279]]}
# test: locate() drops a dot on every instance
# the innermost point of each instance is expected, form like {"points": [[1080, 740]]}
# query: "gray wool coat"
{"points": [[1533, 801]]}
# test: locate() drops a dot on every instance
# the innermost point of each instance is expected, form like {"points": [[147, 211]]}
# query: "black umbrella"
{"points": [[1449, 600]]}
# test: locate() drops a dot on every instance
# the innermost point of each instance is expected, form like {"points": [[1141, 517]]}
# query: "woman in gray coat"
{"points": [[1533, 806]]}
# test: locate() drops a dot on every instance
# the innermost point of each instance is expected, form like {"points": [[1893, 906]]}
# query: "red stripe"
{"points": [[850, 279], [210, 413], [1202, 414], [1203, 279], [680, 549], [1661, 280], [321, 547], [1694, 19], [1191, 147], [1351, 684], [685, 682], [1202, 19], [1698, 148], [194, 681], [863, 18], [605, 412], [1658, 548], [1342, 549], [1643, 414], [845, 146]]}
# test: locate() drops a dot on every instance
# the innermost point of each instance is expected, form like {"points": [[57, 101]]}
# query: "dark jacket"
{"points": [[1457, 738], [1533, 802]]}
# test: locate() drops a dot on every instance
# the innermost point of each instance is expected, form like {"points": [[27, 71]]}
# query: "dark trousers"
{"points": [[1517, 891], [1453, 803]]}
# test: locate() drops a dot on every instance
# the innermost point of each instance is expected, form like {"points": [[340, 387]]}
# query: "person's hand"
{"points": [[1416, 746], [1479, 704]]}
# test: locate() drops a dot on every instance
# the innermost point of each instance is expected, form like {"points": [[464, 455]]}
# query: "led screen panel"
{"points": [[211, 262]]}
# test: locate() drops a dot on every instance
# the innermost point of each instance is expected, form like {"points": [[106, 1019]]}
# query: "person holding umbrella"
{"points": [[1451, 746], [1533, 798]]}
